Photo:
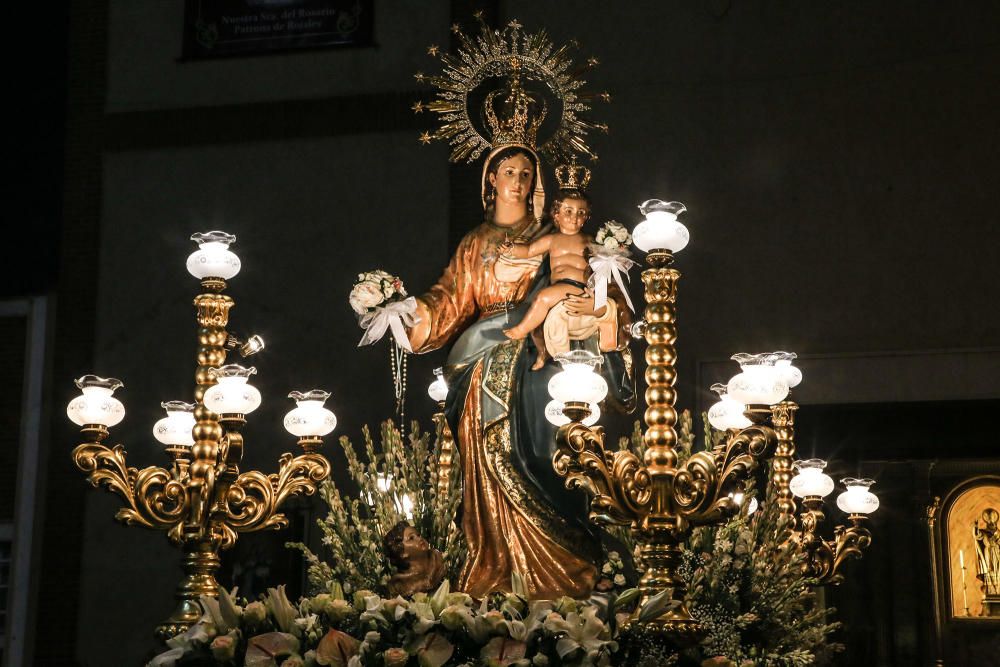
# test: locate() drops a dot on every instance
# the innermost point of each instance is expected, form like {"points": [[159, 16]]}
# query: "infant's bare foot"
{"points": [[539, 363], [514, 333]]}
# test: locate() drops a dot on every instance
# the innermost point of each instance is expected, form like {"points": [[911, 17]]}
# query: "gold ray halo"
{"points": [[500, 54]]}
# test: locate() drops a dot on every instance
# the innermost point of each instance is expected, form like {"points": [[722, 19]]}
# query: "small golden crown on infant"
{"points": [[572, 176]]}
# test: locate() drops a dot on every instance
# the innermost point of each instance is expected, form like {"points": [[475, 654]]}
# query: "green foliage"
{"points": [[747, 586], [745, 581], [396, 475]]}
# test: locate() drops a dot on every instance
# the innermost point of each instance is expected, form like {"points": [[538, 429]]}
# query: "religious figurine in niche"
{"points": [[419, 567], [517, 514], [567, 249], [988, 558]]}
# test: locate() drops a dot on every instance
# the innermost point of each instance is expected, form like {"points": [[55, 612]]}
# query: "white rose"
{"points": [[619, 580], [365, 296], [621, 234], [610, 243], [601, 235]]}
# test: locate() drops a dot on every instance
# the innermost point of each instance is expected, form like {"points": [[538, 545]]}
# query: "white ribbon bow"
{"points": [[607, 264], [392, 316]]}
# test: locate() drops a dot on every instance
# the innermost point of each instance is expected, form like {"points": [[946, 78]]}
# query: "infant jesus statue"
{"points": [[567, 249]]}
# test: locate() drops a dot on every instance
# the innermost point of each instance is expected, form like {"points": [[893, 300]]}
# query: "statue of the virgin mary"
{"points": [[516, 514]]}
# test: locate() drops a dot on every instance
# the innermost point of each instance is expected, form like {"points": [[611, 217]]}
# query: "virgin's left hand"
{"points": [[583, 304]]}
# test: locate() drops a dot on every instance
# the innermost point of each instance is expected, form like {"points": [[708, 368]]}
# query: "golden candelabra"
{"points": [[823, 557], [202, 499], [661, 499]]}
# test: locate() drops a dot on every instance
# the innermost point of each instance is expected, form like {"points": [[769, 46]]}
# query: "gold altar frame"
{"points": [[940, 542]]}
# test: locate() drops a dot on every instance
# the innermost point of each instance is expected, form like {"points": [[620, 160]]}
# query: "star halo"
{"points": [[497, 54]]}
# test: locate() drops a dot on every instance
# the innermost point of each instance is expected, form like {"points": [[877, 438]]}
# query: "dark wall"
{"points": [[837, 160]]}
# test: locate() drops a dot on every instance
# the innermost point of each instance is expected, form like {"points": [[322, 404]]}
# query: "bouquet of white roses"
{"points": [[374, 288], [381, 302], [609, 261], [613, 236]]}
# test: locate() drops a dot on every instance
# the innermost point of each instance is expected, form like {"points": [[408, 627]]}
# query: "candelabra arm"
{"points": [[253, 498], [618, 483], [152, 496], [703, 485], [848, 542]]}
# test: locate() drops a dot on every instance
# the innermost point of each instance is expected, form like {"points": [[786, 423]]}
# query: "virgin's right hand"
{"points": [[506, 248]]}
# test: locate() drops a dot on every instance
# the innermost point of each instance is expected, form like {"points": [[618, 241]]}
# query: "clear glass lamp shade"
{"points": [[752, 506], [857, 499], [554, 414], [762, 382], [578, 380], [232, 394], [175, 428], [811, 481], [310, 419], [638, 329], [438, 391], [661, 230], [727, 413], [95, 404], [213, 258]]}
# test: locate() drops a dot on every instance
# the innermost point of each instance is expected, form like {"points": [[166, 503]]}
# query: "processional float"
{"points": [[202, 500]]}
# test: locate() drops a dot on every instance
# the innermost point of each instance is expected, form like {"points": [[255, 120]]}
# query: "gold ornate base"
{"points": [[658, 642], [200, 565], [187, 614]]}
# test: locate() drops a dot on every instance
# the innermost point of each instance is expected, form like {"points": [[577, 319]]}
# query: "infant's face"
{"points": [[413, 544], [571, 215]]}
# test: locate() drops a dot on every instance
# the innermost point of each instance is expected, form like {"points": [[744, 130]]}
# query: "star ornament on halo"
{"points": [[433, 50], [426, 138]]}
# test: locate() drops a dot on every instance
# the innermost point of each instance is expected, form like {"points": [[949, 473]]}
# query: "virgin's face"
{"points": [[513, 179]]}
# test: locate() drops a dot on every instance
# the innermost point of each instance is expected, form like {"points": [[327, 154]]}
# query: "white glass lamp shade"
{"points": [[578, 380], [310, 419], [213, 258], [383, 482], [727, 413], [811, 481], [404, 505], [789, 373], [232, 394], [661, 230], [554, 414], [438, 391], [760, 383], [95, 404], [175, 428], [857, 499]]}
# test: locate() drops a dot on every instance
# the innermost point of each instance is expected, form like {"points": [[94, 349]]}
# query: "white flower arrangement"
{"points": [[612, 573], [613, 236], [373, 289], [609, 261]]}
